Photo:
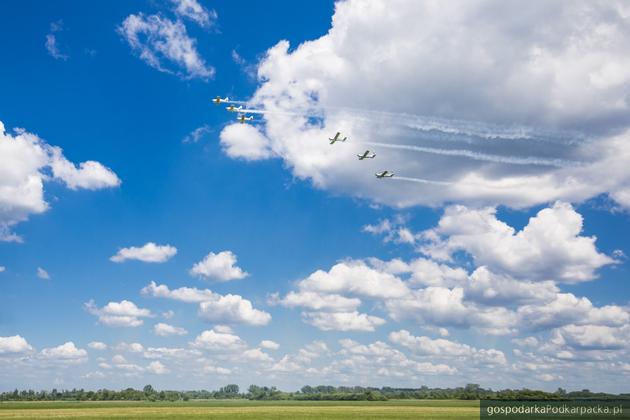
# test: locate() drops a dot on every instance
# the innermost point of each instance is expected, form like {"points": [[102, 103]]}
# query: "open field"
{"points": [[243, 409]]}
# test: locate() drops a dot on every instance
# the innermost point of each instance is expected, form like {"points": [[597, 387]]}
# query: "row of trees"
{"points": [[310, 393]]}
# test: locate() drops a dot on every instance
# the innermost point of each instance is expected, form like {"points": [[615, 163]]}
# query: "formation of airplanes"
{"points": [[218, 100], [337, 138], [365, 155], [243, 118], [232, 108]]}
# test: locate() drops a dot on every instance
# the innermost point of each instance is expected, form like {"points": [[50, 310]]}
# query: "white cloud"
{"points": [[269, 344], [216, 341], [470, 103], [183, 294], [447, 348], [243, 141], [129, 347], [65, 352], [165, 45], [594, 337], [42, 274], [2, 268], [14, 344], [149, 252], [51, 41], [492, 289], [223, 329], [441, 306], [549, 247], [220, 267], [317, 301], [196, 135], [97, 345], [194, 11], [256, 355], [164, 330], [232, 309], [429, 346], [343, 321], [354, 277], [26, 163], [567, 308], [118, 314], [213, 307], [157, 368]]}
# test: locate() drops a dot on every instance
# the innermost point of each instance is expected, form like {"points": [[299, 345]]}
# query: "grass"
{"points": [[243, 409]]}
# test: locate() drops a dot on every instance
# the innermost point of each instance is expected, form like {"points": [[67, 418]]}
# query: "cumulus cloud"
{"points": [[149, 252], [183, 294], [65, 352], [354, 277], [157, 368], [243, 141], [2, 268], [213, 307], [164, 44], [97, 345], [216, 341], [164, 330], [549, 247], [14, 344], [343, 321], [191, 9], [26, 163], [118, 314], [497, 115], [232, 309], [316, 301], [269, 344], [220, 267], [441, 347], [129, 347]]}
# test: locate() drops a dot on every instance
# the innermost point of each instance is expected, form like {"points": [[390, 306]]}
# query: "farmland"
{"points": [[243, 409]]}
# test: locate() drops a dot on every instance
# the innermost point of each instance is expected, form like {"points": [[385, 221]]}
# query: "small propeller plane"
{"points": [[337, 138], [233, 108], [218, 100], [244, 118], [366, 155], [384, 174]]}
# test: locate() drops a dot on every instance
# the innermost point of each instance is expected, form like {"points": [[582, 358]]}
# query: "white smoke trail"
{"points": [[421, 180], [515, 160]]}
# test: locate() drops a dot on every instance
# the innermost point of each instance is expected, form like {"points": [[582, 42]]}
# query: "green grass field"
{"points": [[243, 409]]}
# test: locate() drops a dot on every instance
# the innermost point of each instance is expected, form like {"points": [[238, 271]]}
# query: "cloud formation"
{"points": [[118, 314], [164, 44], [221, 267], [504, 96], [149, 252], [26, 163]]}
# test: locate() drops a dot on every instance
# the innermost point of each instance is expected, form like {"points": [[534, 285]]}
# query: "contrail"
{"points": [[452, 129], [560, 163], [422, 181]]}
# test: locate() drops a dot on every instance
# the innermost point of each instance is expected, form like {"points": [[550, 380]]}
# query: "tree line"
{"points": [[306, 393]]}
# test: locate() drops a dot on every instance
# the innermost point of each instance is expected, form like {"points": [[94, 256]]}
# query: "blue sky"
{"points": [[496, 254]]}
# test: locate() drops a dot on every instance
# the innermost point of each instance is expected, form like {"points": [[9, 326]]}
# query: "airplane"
{"points": [[243, 118], [218, 100], [366, 155], [233, 108], [337, 138], [384, 174]]}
